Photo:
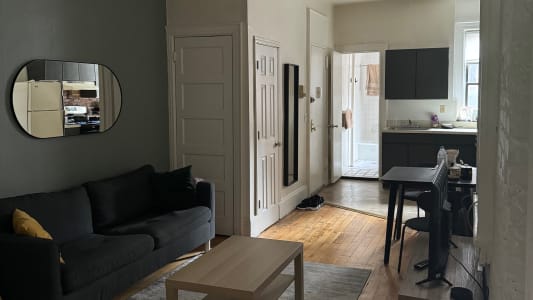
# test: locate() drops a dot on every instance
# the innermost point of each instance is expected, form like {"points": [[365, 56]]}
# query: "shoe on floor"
{"points": [[314, 202]]}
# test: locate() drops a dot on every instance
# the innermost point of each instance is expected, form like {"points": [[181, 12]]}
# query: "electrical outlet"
{"points": [[443, 108]]}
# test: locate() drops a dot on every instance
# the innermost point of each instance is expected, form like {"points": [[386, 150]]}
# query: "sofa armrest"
{"points": [[29, 268], [205, 194]]}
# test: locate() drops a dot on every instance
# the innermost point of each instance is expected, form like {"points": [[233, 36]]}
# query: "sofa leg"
{"points": [[207, 246]]}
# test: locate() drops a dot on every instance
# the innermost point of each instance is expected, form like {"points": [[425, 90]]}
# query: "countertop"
{"points": [[463, 131]]}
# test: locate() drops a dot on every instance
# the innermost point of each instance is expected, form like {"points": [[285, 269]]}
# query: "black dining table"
{"points": [[412, 177]]}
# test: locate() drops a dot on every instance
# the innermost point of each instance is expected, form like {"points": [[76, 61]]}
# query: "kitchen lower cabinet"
{"points": [[416, 149]]}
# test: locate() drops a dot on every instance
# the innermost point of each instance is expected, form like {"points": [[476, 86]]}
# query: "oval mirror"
{"points": [[54, 98]]}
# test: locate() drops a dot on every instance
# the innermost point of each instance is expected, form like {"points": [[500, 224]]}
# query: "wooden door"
{"points": [[268, 180], [318, 140], [203, 110]]}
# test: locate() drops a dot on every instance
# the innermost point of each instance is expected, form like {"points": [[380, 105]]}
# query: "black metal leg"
{"points": [[399, 214], [390, 220], [401, 249]]}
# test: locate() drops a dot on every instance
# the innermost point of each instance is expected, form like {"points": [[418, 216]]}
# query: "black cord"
{"points": [[468, 272]]}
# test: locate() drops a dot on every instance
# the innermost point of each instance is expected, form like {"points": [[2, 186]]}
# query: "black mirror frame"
{"points": [[287, 99]]}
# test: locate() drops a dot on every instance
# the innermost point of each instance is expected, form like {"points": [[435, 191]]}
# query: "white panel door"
{"points": [[318, 139], [266, 206], [335, 119], [203, 108]]}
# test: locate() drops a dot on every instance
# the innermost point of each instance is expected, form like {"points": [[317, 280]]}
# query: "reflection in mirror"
{"points": [[290, 124], [56, 98]]}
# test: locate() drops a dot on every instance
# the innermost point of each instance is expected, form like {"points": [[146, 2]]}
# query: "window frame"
{"points": [[460, 85]]}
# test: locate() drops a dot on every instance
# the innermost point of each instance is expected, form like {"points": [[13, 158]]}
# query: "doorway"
{"points": [[360, 103]]}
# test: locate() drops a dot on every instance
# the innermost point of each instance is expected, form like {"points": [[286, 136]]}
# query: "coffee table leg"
{"points": [[172, 292], [299, 277]]}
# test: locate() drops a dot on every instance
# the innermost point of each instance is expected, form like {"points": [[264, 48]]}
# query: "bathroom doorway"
{"points": [[360, 102]]}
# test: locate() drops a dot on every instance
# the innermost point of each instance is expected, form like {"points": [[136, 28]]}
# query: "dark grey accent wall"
{"points": [[126, 35]]}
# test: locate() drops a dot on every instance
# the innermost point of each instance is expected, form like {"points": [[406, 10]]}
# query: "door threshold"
{"points": [[360, 178]]}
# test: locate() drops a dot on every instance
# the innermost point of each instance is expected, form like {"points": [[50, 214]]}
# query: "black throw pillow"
{"points": [[175, 190]]}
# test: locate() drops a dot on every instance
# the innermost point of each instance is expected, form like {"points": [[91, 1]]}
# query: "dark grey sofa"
{"points": [[110, 233]]}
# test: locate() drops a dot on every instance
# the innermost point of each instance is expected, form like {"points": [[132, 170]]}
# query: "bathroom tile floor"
{"points": [[363, 169]]}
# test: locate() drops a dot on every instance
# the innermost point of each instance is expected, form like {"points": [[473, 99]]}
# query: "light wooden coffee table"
{"points": [[242, 268]]}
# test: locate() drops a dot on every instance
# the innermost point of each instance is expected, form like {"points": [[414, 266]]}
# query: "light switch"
{"points": [[318, 92], [443, 108]]}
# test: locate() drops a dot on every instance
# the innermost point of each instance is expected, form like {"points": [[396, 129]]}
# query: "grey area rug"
{"points": [[321, 281]]}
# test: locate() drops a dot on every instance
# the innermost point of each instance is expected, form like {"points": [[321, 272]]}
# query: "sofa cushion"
{"points": [[174, 190], [121, 198], [66, 215], [165, 228], [95, 256]]}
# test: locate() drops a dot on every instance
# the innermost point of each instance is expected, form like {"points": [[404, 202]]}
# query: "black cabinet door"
{"points": [[432, 73], [400, 74], [53, 70], [87, 72], [36, 70], [394, 155], [71, 71]]}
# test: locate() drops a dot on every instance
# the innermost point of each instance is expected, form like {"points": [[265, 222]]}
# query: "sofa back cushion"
{"points": [[174, 190], [66, 215], [119, 199]]}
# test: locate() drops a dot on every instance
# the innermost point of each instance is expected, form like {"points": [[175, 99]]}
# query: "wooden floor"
{"points": [[334, 236]]}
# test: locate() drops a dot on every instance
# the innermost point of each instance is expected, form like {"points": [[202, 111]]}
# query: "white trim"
{"points": [[235, 31], [291, 200], [458, 61], [265, 42]]}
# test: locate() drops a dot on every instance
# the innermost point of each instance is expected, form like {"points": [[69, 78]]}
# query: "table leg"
{"points": [[390, 220], [399, 214], [172, 292], [299, 277]]}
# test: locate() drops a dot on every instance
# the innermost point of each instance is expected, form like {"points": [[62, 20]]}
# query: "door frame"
{"points": [[240, 132], [253, 142], [382, 115]]}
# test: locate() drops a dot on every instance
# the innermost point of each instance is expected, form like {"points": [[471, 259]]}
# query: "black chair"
{"points": [[420, 223]]}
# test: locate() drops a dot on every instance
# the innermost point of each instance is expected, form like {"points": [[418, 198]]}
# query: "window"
{"points": [[471, 69], [466, 70]]}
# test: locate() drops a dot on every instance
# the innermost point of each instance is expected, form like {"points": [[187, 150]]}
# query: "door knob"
{"points": [[333, 126], [277, 144]]}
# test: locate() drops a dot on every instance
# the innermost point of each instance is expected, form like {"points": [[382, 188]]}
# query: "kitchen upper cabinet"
{"points": [[400, 74], [45, 70], [71, 71], [432, 73], [416, 73], [87, 72]]}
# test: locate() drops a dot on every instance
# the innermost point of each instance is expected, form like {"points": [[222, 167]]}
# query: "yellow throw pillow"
{"points": [[24, 224]]}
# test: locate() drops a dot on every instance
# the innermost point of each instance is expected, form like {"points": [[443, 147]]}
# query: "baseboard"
{"points": [[289, 202]]}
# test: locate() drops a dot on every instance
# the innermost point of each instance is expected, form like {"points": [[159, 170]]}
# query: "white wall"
{"points": [[286, 22], [506, 202], [404, 24], [202, 12]]}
